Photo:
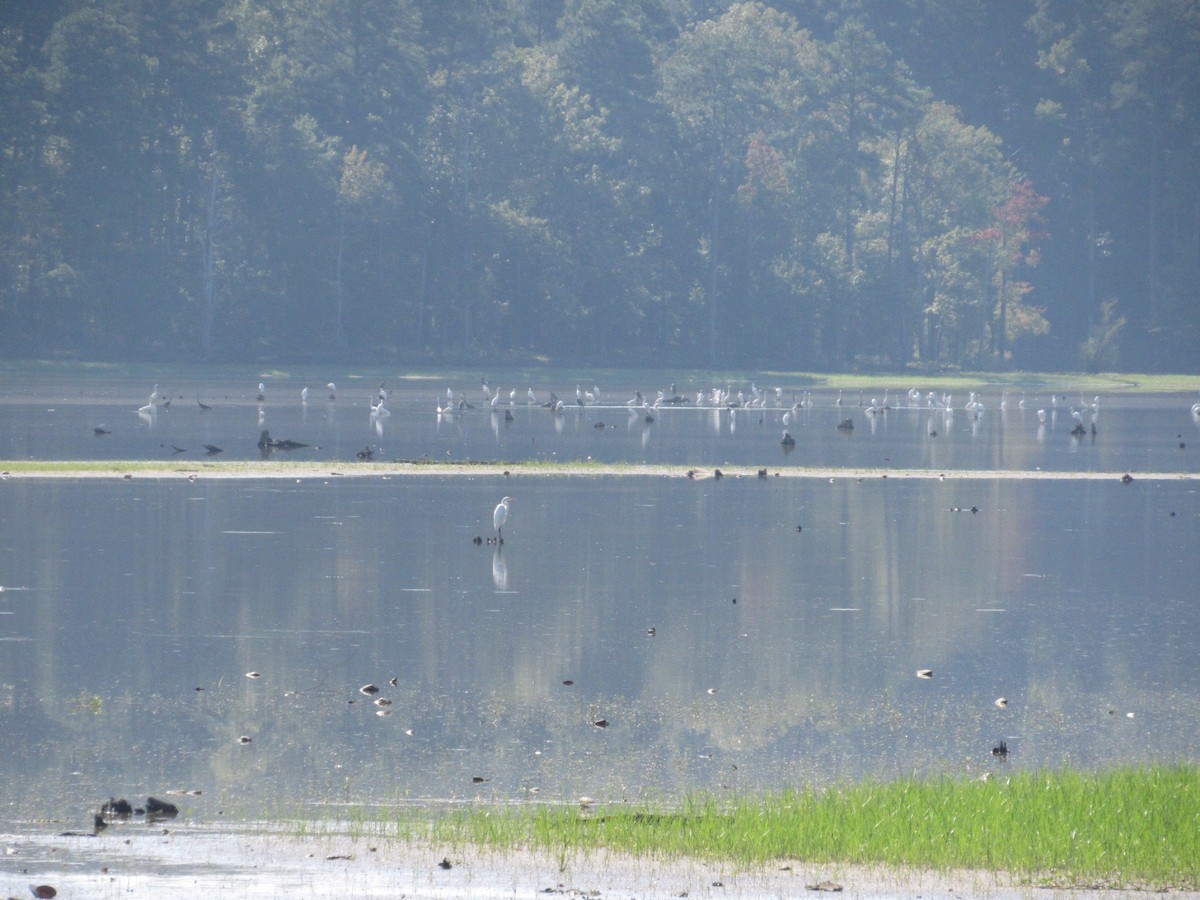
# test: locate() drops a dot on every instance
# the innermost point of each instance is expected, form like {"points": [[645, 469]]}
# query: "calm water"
{"points": [[735, 635], [48, 418], [1075, 600]]}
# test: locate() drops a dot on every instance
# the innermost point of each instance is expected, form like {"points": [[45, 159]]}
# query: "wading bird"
{"points": [[499, 517]]}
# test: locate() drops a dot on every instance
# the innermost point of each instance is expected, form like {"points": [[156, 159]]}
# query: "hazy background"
{"points": [[829, 184]]}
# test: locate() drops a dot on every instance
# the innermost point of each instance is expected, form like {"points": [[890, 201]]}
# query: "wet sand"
{"points": [[270, 469], [183, 860]]}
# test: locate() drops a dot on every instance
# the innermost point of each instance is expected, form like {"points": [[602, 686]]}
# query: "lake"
{"points": [[57, 418], [634, 637]]}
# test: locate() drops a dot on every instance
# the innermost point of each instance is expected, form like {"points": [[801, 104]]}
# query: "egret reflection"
{"points": [[499, 569]]}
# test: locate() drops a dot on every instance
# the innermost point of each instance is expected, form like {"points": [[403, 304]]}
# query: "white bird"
{"points": [[332, 390], [500, 516], [1041, 416], [495, 401], [531, 397], [262, 392], [304, 395]]}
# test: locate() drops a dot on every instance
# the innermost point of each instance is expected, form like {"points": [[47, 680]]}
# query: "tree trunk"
{"points": [[208, 316]]}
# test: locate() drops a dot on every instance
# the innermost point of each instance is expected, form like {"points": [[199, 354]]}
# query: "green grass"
{"points": [[1121, 828]]}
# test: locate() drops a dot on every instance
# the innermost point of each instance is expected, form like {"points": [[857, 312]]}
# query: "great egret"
{"points": [[304, 395], [500, 516]]}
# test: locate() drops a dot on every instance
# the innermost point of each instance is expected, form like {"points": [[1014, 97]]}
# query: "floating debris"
{"points": [[1002, 702], [925, 673]]}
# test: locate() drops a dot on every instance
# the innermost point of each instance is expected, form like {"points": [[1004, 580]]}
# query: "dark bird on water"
{"points": [[161, 808], [116, 807], [100, 429], [212, 449], [1000, 750], [265, 441]]}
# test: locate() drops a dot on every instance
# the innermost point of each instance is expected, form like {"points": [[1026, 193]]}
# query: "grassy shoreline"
{"points": [[1118, 829]]}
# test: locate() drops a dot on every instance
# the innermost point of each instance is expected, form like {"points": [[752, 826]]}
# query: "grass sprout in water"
{"points": [[1117, 829]]}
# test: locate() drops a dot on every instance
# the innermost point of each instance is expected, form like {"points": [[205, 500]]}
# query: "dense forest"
{"points": [[812, 184]]}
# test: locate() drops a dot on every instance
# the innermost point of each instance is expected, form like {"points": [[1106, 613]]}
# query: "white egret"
{"points": [[262, 392], [332, 390], [304, 395], [499, 517], [531, 397]]}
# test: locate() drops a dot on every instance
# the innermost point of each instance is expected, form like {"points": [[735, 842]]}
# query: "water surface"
{"points": [[789, 618], [52, 418]]}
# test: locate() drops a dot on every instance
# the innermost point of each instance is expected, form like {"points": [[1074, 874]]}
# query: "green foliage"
{"points": [[831, 185], [1122, 828], [1101, 351]]}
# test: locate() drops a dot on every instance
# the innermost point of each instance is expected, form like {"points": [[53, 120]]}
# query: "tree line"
{"points": [[829, 184]]}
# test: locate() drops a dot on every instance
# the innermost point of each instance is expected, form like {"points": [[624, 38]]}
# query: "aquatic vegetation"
{"points": [[1125, 827]]}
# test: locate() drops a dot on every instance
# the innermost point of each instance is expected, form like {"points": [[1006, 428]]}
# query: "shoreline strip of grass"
{"points": [[1124, 828]]}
